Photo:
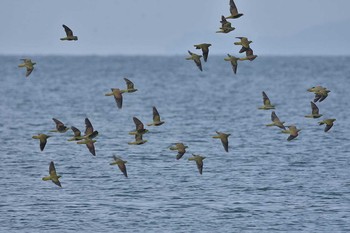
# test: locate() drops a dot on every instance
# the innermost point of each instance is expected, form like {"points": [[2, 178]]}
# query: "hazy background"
{"points": [[161, 27]]}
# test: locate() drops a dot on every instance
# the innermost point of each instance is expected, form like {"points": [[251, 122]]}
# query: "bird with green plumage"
{"points": [[60, 127], [226, 26], [224, 139], [328, 123], [138, 140], [156, 118], [69, 34], [233, 11], [244, 42], [196, 58], [28, 64], [90, 134], [233, 60], [42, 139], [139, 127], [77, 135], [129, 86], [181, 149], [205, 50], [121, 164], [249, 55], [314, 111], [276, 121], [118, 97], [199, 161], [267, 103], [53, 175], [293, 132]]}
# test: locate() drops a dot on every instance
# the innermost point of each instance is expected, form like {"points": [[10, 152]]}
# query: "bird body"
{"points": [[129, 86], [69, 34], [267, 103], [276, 121], [196, 58], [43, 140], [205, 49], [328, 122], [53, 175], [121, 164], [118, 97], [139, 127], [224, 139], [233, 60], [156, 118], [60, 127], [28, 64], [314, 111], [199, 161], [181, 148]]}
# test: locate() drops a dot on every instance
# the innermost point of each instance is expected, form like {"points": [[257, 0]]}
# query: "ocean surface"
{"points": [[263, 184]]}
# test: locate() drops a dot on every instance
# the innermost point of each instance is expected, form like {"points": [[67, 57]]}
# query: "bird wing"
{"points": [[122, 168], [266, 99], [328, 127], [29, 70], [90, 145], [129, 84], [59, 124], [274, 117], [52, 169], [223, 21], [118, 97], [234, 66], [198, 62], [138, 123], [156, 116], [42, 143], [89, 129], [233, 8], [224, 141], [314, 108], [69, 32], [76, 131], [199, 163], [205, 52]]}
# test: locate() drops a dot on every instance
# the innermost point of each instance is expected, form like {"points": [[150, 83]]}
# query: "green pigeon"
{"points": [[199, 162], [139, 127], [118, 97], [69, 34], [233, 61], [225, 26], [267, 103], [28, 64], [205, 49], [233, 11], [328, 122], [196, 58], [293, 132], [181, 149], [129, 86], [276, 121], [314, 111], [224, 139], [52, 175], [43, 140], [249, 55], [244, 42], [156, 118], [60, 127], [121, 164]]}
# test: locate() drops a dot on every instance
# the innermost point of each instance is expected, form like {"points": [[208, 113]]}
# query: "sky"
{"points": [[164, 27]]}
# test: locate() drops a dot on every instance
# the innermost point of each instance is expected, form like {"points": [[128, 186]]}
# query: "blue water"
{"points": [[264, 183]]}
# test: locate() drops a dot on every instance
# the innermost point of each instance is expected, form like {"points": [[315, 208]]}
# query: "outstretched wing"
{"points": [[138, 123], [69, 32], [129, 84], [88, 127], [266, 99], [314, 108], [156, 116]]}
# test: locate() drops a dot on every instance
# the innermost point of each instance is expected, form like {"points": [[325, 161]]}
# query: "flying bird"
{"points": [[196, 58], [121, 164], [181, 149], [314, 111], [267, 103], [77, 134], [52, 175], [249, 55], [225, 26], [118, 97], [138, 140], [205, 50], [43, 140], [69, 34], [293, 132], [244, 42], [233, 61], [60, 127], [328, 122], [139, 127], [156, 118], [276, 121], [129, 86], [224, 139], [28, 64], [199, 162], [233, 11]]}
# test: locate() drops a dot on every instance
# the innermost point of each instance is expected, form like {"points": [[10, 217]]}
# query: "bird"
{"points": [[121, 164], [28, 64], [129, 86], [267, 103], [138, 140], [233, 11], [225, 26], [118, 97], [293, 132], [69, 34], [233, 61], [181, 149], [77, 134], [43, 140], [321, 95], [199, 162], [224, 139], [205, 49], [314, 111], [244, 42], [328, 122], [196, 58], [249, 55], [156, 118], [89, 129], [89, 142], [276, 121], [60, 127], [53, 175], [139, 127]]}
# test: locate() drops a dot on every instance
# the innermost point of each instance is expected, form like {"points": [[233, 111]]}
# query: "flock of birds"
{"points": [[89, 136]]}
